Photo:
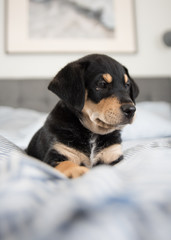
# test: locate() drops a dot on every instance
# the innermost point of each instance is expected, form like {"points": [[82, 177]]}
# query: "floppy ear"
{"points": [[134, 90], [68, 85]]}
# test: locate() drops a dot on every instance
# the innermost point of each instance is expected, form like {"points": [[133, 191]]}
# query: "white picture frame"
{"points": [[18, 40]]}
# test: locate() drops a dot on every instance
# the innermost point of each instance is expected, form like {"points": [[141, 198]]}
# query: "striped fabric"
{"points": [[131, 200]]}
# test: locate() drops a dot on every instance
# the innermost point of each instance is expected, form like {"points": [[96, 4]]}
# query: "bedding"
{"points": [[131, 200]]}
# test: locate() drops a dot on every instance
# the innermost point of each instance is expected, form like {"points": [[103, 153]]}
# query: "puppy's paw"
{"points": [[71, 170], [76, 172]]}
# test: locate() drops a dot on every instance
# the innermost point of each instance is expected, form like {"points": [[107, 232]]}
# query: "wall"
{"points": [[152, 58]]}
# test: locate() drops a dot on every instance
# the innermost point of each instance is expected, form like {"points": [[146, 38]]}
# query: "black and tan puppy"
{"points": [[83, 130]]}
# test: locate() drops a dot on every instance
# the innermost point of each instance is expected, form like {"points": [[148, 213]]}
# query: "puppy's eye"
{"points": [[127, 84], [101, 85]]}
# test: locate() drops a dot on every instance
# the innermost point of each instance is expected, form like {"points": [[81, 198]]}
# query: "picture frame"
{"points": [[18, 40]]}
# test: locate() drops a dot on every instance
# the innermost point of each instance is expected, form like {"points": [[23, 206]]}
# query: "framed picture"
{"points": [[58, 26]]}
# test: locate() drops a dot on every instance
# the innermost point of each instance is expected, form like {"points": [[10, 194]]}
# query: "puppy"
{"points": [[84, 129]]}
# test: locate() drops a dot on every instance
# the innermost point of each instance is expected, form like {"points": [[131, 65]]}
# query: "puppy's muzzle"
{"points": [[128, 110]]}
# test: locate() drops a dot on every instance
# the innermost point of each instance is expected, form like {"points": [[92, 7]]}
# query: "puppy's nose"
{"points": [[128, 110]]}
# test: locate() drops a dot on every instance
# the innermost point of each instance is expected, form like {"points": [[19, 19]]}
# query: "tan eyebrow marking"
{"points": [[107, 77], [125, 78]]}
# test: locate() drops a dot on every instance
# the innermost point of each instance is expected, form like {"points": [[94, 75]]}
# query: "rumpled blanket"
{"points": [[129, 201]]}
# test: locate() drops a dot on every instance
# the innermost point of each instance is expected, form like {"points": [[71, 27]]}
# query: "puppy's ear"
{"points": [[69, 85], [134, 90]]}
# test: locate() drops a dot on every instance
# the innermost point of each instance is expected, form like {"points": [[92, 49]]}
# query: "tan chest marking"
{"points": [[106, 156], [109, 154], [72, 154]]}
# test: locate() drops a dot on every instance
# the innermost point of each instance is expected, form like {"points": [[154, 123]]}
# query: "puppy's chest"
{"points": [[90, 151], [93, 149]]}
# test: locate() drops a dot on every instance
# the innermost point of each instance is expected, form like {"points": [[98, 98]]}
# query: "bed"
{"points": [[131, 200]]}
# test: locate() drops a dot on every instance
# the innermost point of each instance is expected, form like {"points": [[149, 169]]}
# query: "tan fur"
{"points": [[72, 154], [71, 170], [107, 77], [125, 78], [109, 154], [103, 117]]}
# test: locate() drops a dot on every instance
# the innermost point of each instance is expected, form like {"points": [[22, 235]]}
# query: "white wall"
{"points": [[153, 58]]}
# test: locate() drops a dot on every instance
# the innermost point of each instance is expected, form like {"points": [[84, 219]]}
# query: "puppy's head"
{"points": [[100, 90]]}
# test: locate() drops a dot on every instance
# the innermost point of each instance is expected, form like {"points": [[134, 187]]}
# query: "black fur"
{"points": [[64, 123]]}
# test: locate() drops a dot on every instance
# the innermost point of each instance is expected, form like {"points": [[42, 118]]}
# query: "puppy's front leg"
{"points": [[64, 164], [110, 155]]}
